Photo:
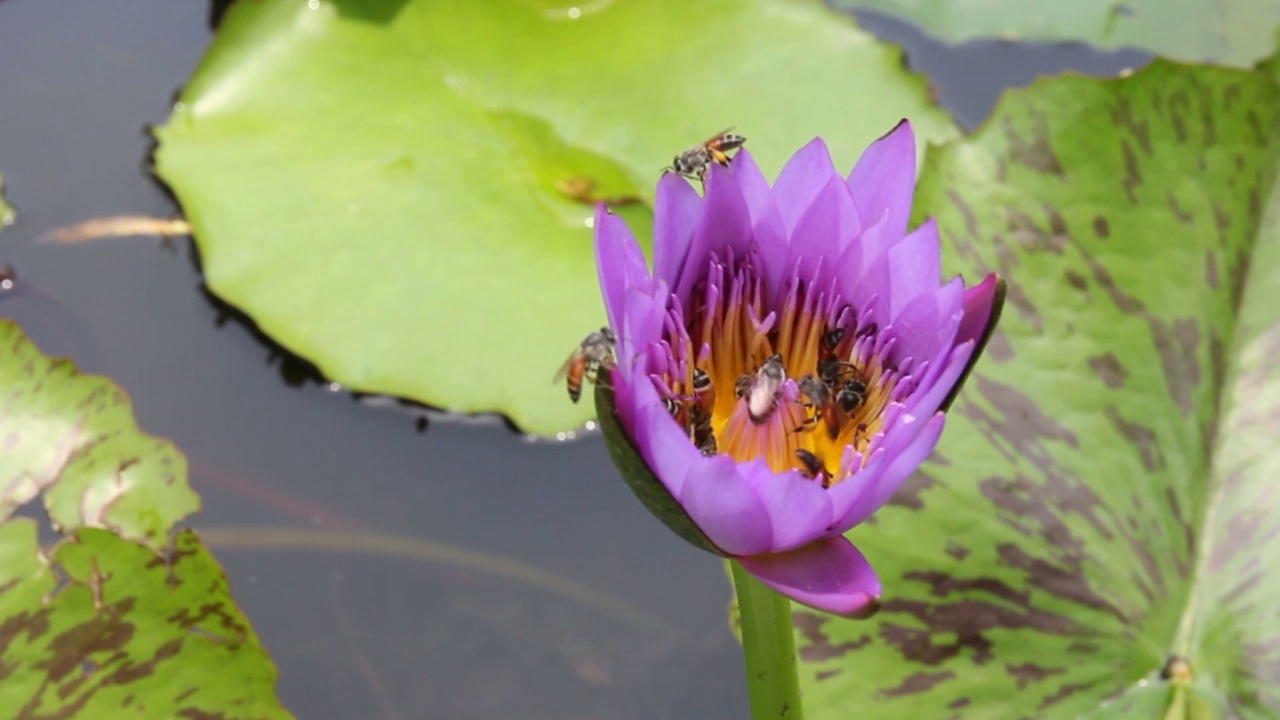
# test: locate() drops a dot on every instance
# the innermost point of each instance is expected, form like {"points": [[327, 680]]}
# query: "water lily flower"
{"points": [[787, 363]]}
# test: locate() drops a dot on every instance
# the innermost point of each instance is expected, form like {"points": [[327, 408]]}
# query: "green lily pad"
{"points": [[1224, 32], [71, 439], [1098, 535], [401, 191], [121, 618]]}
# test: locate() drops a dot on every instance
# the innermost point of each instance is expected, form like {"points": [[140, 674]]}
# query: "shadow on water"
{"points": [[395, 565]]}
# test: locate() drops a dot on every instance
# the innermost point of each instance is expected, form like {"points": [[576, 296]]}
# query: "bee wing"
{"points": [[563, 372], [720, 134]]}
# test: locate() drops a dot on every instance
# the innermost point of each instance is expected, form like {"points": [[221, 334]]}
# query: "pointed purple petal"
{"points": [[824, 229], [829, 575], [725, 223], [619, 261], [927, 326], [799, 508], [979, 302], [901, 460], [857, 277], [663, 444], [803, 177], [726, 508], [915, 266], [768, 235], [676, 210], [883, 180], [929, 397]]}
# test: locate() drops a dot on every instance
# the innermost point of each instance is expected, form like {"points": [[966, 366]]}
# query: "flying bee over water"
{"points": [[761, 390], [594, 352], [693, 163]]}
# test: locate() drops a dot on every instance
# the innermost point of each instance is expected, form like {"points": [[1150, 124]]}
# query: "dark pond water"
{"points": [[449, 571]]}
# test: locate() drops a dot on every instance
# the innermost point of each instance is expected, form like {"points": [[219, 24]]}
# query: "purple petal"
{"points": [[726, 508], [768, 234], [676, 211], [979, 301], [803, 177], [829, 575], [664, 445], [929, 397], [725, 223], [619, 261], [863, 266], [642, 319], [927, 326], [900, 460], [884, 179], [824, 229], [799, 509], [915, 266]]}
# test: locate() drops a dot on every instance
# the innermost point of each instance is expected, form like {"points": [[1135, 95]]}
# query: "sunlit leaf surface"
{"points": [[1226, 32], [401, 191], [113, 621], [1099, 533]]}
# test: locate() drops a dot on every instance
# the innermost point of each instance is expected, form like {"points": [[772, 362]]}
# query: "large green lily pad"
{"points": [[400, 191], [1227, 32], [121, 618], [1098, 534]]}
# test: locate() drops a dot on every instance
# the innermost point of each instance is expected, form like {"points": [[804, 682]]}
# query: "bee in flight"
{"points": [[693, 163], [593, 353]]}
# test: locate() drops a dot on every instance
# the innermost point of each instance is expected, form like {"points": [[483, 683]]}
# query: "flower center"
{"points": [[801, 385]]}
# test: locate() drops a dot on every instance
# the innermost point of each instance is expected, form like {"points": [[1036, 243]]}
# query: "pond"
{"points": [[397, 562]]}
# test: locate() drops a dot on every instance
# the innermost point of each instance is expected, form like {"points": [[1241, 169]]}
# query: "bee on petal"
{"points": [[761, 389], [693, 163], [593, 353]]}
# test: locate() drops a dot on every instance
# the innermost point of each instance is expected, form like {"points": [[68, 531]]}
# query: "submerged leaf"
{"points": [[1217, 31], [1098, 534], [120, 618], [401, 191]]}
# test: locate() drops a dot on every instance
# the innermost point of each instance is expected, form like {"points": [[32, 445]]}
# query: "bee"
{"points": [[831, 340], [817, 399], [594, 352], [761, 389], [693, 163], [852, 395], [813, 467]]}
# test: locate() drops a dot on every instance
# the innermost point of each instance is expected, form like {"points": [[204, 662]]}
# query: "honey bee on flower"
{"points": [[693, 163]]}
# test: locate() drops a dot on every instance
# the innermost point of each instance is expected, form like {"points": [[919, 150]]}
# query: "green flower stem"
{"points": [[769, 649]]}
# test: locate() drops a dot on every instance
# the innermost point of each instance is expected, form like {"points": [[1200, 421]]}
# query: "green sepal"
{"points": [[631, 466]]}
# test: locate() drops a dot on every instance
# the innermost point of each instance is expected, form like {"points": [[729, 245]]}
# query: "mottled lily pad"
{"points": [[1098, 534], [1226, 32], [70, 439], [400, 191], [118, 618]]}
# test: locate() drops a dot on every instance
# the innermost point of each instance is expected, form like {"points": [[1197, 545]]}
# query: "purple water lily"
{"points": [[787, 363]]}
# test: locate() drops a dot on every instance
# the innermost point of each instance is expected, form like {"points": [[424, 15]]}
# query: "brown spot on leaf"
{"points": [[918, 682], [1065, 692], [956, 550], [1027, 673], [1033, 150], [820, 647], [1212, 277], [958, 703], [1101, 227], [1141, 437], [1076, 280], [1109, 370], [1132, 173], [908, 495], [1068, 584], [1186, 217]]}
